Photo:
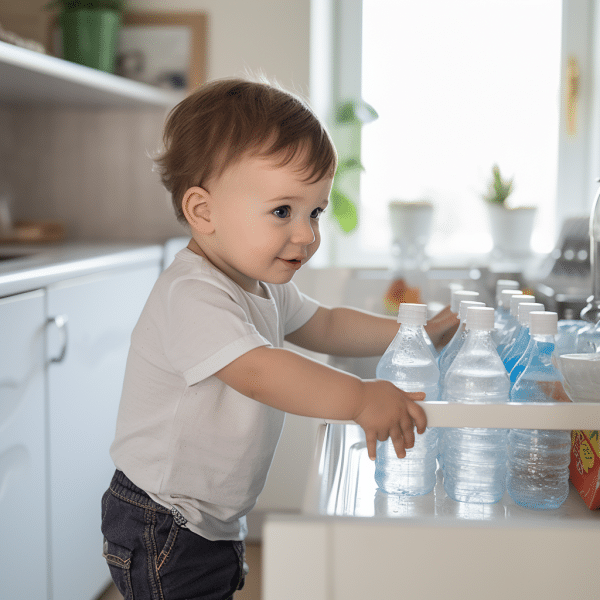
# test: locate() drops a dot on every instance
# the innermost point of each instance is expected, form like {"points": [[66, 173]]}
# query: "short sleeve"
{"points": [[206, 330], [297, 307]]}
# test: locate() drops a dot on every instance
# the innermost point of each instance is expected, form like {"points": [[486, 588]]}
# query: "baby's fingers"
{"points": [[398, 442], [371, 437], [418, 416], [407, 430]]}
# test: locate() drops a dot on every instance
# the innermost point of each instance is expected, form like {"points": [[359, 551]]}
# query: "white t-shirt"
{"points": [[183, 436]]}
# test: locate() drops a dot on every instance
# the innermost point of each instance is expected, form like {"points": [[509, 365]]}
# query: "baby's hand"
{"points": [[387, 411]]}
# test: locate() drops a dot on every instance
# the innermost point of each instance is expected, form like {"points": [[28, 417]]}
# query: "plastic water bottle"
{"points": [[456, 343], [474, 460], [505, 284], [457, 296], [513, 352], [516, 368], [588, 338], [512, 324], [409, 365], [502, 315], [538, 460]]}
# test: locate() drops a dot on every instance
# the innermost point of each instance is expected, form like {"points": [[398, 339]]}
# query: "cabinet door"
{"points": [[23, 536], [84, 393]]}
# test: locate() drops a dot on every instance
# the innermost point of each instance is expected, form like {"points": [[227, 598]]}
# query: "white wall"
{"points": [[267, 36]]}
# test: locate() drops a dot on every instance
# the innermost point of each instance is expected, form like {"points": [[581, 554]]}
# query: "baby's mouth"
{"points": [[293, 262]]}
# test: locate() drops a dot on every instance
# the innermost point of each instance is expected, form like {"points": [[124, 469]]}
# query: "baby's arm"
{"points": [[345, 331], [296, 384]]}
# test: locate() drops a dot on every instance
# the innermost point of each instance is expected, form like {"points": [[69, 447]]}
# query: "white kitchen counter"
{"points": [[39, 266]]}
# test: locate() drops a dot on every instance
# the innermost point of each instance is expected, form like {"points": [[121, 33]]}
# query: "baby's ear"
{"points": [[196, 209]]}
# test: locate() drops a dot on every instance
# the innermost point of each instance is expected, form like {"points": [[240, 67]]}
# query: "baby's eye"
{"points": [[282, 212], [315, 214]]}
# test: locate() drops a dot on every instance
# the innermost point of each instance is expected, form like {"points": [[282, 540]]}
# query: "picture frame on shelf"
{"points": [[167, 50]]}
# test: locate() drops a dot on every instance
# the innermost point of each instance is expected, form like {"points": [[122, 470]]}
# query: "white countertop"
{"points": [[39, 266]]}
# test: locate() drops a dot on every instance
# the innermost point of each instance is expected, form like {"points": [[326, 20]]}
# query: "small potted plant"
{"points": [[511, 228], [90, 31]]}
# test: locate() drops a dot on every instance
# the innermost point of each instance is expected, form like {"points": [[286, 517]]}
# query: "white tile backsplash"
{"points": [[89, 168]]}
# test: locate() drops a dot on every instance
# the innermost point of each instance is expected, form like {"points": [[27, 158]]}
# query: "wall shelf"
{"points": [[31, 78]]}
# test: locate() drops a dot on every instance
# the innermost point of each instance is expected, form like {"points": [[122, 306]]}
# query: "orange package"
{"points": [[585, 466], [399, 292]]}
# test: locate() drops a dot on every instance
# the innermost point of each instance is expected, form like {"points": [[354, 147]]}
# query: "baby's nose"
{"points": [[303, 233]]}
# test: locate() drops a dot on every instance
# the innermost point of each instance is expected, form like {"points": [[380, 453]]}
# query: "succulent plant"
{"points": [[499, 188]]}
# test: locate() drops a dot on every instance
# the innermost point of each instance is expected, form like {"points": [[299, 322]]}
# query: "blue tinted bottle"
{"points": [[538, 460], [513, 352]]}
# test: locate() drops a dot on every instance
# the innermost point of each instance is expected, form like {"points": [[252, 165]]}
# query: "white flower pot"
{"points": [[511, 230]]}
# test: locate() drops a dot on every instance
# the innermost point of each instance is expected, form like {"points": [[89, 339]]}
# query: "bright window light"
{"points": [[460, 86]]}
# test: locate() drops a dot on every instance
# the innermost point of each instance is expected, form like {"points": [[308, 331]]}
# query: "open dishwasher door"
{"points": [[355, 542]]}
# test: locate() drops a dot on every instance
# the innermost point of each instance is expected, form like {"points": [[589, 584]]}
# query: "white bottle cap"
{"points": [[458, 295], [543, 322], [516, 300], [480, 318], [464, 304], [412, 314], [505, 284], [506, 295], [528, 307]]}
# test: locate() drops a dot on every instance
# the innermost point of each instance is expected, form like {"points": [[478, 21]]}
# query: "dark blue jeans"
{"points": [[153, 556]]}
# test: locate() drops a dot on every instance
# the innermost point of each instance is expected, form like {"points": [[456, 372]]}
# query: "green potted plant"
{"points": [[511, 227], [350, 116], [90, 31]]}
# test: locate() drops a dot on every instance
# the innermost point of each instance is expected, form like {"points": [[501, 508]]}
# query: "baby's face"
{"points": [[266, 220]]}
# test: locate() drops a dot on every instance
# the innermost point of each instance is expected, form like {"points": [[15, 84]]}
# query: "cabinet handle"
{"points": [[60, 321]]}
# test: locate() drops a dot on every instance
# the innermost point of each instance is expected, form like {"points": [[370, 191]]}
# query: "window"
{"points": [[460, 86]]}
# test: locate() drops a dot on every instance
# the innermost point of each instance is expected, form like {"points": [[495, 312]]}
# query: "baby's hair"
{"points": [[226, 119]]}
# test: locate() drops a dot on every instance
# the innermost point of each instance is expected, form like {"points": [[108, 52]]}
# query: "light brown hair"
{"points": [[223, 120]]}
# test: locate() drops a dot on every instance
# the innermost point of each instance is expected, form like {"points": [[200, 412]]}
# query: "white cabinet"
{"points": [[63, 351], [84, 390], [23, 523]]}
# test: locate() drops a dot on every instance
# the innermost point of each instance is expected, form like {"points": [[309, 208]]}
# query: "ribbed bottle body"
{"points": [[538, 460], [538, 473], [410, 366], [474, 459], [413, 475]]}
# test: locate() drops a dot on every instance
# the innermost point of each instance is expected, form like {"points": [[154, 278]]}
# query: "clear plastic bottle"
{"points": [[502, 315], [409, 365], [512, 324], [456, 297], [505, 284], [456, 343], [538, 460], [513, 352], [474, 460]]}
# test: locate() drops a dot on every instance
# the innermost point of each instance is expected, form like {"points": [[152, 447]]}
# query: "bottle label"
{"points": [[583, 449]]}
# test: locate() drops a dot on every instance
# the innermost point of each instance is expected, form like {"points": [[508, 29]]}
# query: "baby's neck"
{"points": [[257, 289]]}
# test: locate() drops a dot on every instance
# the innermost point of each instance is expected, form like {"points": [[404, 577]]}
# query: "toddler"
{"points": [[208, 382]]}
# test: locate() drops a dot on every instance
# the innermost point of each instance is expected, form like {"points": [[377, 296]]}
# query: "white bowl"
{"points": [[581, 374]]}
